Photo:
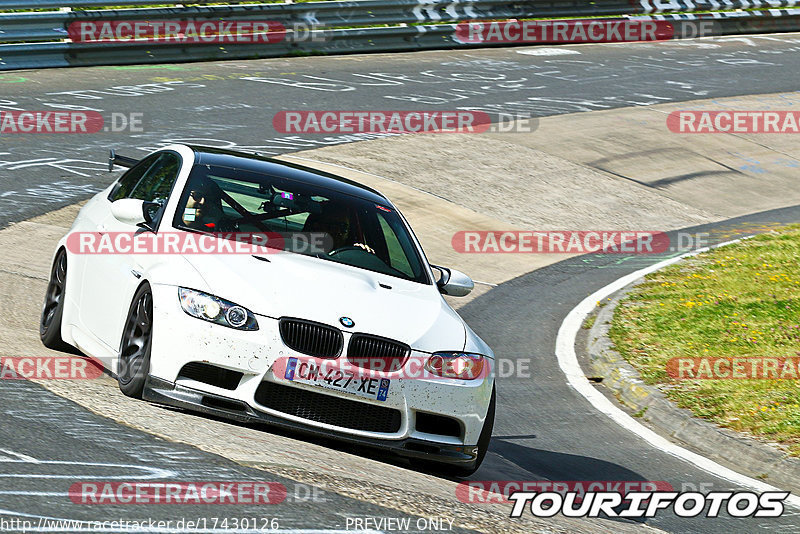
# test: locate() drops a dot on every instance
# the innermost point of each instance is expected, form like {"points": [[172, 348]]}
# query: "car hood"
{"points": [[292, 285]]}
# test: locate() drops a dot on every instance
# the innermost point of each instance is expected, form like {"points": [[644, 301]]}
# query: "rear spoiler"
{"points": [[122, 161]]}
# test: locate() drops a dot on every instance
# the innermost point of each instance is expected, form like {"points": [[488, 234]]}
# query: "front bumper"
{"points": [[171, 394], [179, 339]]}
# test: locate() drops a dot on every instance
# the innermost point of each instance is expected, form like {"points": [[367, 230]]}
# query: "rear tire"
{"points": [[136, 344], [53, 308]]}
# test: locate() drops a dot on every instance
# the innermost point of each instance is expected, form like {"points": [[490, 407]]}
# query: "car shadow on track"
{"points": [[528, 464], [548, 465]]}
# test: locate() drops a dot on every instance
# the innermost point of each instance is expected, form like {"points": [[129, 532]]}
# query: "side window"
{"points": [[128, 181], [157, 182], [397, 257]]}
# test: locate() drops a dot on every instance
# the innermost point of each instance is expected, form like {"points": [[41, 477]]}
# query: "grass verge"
{"points": [[736, 302]]}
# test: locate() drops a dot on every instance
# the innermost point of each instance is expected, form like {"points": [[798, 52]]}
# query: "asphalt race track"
{"points": [[544, 430], [231, 104]]}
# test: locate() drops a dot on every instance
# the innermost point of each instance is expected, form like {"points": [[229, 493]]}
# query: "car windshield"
{"points": [[313, 220]]}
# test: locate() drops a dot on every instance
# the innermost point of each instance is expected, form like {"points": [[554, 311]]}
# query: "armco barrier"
{"points": [[35, 39]]}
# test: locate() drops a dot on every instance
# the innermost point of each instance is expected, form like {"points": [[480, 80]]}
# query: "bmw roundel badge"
{"points": [[347, 322]]}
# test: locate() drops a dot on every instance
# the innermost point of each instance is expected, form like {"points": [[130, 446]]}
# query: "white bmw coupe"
{"points": [[349, 338]]}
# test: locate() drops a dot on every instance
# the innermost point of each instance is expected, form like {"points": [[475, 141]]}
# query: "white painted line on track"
{"points": [[547, 52], [20, 458], [36, 493], [149, 473], [17, 457], [568, 361]]}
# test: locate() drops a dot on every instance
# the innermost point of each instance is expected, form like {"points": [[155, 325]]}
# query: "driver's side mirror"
{"points": [[453, 283], [135, 212]]}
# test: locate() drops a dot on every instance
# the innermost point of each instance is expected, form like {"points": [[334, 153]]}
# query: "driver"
{"points": [[203, 210], [334, 221]]}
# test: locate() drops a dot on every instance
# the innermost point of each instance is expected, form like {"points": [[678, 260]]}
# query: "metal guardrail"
{"points": [[35, 39]]}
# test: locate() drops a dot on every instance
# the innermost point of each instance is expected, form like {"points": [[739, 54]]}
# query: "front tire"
{"points": [[136, 344], [53, 309]]}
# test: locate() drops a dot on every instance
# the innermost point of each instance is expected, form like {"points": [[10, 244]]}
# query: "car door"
{"points": [[109, 280]]}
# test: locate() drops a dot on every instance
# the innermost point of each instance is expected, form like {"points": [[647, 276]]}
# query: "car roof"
{"points": [[257, 163]]}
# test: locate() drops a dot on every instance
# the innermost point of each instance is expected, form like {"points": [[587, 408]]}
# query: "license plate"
{"points": [[306, 372]]}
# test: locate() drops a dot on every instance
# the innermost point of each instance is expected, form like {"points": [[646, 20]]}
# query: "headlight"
{"points": [[463, 365], [216, 310]]}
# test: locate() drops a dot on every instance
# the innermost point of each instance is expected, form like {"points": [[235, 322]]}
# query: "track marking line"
{"points": [[568, 361], [145, 472], [548, 52], [18, 457]]}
